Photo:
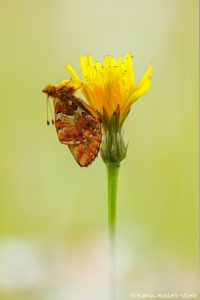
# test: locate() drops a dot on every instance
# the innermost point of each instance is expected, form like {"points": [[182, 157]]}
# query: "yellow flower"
{"points": [[111, 86], [110, 90]]}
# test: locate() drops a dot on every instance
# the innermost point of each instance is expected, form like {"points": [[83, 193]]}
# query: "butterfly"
{"points": [[77, 124]]}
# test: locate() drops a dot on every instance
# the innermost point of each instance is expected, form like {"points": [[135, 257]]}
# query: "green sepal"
{"points": [[113, 147]]}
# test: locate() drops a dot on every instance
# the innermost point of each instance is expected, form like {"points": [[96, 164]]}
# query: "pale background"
{"points": [[53, 214]]}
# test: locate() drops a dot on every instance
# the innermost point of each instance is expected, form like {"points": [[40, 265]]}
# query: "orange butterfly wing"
{"points": [[76, 124], [79, 130], [85, 153]]}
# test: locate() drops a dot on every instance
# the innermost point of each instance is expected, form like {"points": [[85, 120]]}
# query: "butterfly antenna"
{"points": [[78, 87], [69, 81]]}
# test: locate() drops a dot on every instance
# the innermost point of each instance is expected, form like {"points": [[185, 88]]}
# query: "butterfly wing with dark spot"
{"points": [[86, 152], [74, 125], [77, 124]]}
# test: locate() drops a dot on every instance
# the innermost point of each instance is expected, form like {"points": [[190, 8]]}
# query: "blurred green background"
{"points": [[53, 214]]}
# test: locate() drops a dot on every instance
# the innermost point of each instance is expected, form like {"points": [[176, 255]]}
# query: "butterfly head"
{"points": [[50, 90]]}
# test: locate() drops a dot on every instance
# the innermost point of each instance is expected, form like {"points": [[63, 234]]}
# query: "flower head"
{"points": [[111, 86], [110, 90]]}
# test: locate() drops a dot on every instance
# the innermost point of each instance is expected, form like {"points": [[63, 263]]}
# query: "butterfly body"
{"points": [[76, 123]]}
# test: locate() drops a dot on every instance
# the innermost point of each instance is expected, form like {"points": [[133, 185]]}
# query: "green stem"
{"points": [[112, 173]]}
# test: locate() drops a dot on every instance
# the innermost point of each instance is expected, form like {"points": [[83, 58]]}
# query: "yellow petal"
{"points": [[143, 85], [72, 72], [130, 71], [114, 63], [91, 62], [84, 66]]}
